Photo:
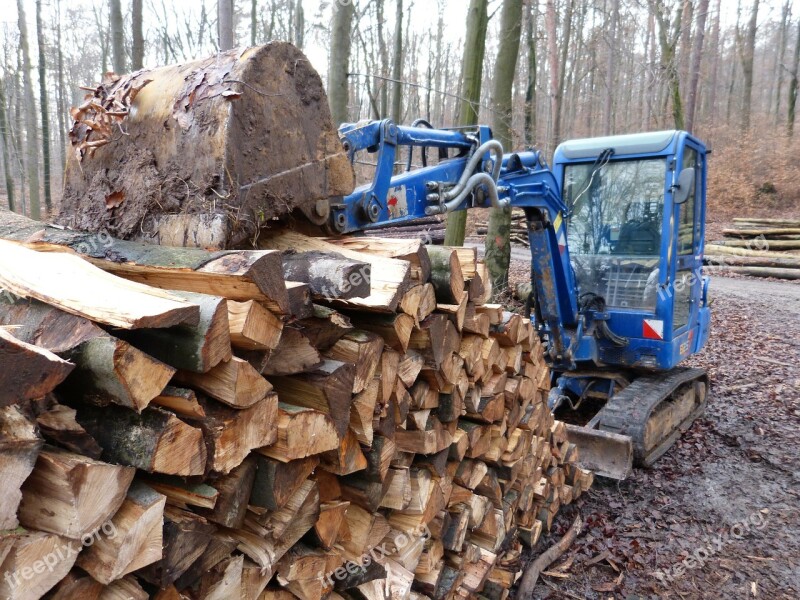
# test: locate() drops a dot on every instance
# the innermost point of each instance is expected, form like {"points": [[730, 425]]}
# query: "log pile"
{"points": [[204, 435], [758, 248], [519, 229]]}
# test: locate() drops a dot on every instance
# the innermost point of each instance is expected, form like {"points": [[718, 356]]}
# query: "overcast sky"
{"points": [[423, 16]]}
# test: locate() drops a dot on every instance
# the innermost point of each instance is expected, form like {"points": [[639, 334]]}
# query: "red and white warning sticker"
{"points": [[653, 329]]}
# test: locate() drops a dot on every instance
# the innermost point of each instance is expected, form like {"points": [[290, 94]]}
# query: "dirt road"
{"points": [[719, 515]]}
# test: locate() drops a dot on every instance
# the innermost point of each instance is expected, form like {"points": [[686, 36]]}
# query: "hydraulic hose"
{"points": [[492, 146], [472, 183]]}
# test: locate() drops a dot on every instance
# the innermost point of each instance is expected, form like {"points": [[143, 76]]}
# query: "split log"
{"points": [[253, 327], [329, 275], [413, 250], [275, 482], [301, 432], [234, 382], [389, 277], [325, 327], [19, 447], [71, 495], [231, 434], [182, 401], [328, 389], [58, 425], [233, 495], [294, 354], [133, 541], [196, 348], [186, 537], [107, 369], [446, 275], [93, 293], [154, 441], [362, 349], [35, 562], [28, 371]]}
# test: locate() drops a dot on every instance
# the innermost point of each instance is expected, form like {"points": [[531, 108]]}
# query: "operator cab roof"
{"points": [[652, 142]]}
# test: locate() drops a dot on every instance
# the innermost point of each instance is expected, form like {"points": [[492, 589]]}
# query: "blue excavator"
{"points": [[617, 293]]}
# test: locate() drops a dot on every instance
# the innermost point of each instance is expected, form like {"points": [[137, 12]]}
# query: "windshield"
{"points": [[614, 232]]}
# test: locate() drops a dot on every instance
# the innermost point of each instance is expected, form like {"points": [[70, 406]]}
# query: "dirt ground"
{"points": [[718, 516]]}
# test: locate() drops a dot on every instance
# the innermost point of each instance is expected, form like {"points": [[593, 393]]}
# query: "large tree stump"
{"points": [[213, 149]]}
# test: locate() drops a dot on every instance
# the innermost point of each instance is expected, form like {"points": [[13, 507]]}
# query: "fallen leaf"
{"points": [[114, 199]]}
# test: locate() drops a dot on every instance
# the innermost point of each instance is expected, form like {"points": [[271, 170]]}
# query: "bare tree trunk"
{"points": [[31, 127], [686, 40], [793, 84], [225, 24], [137, 37], [530, 91], [550, 22], [397, 64], [45, 113], [117, 36], [471, 77], [4, 140], [668, 41], [253, 21], [785, 12], [61, 105], [340, 61], [610, 67], [498, 244], [746, 52], [383, 53], [697, 57], [299, 25], [712, 101]]}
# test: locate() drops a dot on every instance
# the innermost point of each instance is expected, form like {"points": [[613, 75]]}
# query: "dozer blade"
{"points": [[607, 454]]}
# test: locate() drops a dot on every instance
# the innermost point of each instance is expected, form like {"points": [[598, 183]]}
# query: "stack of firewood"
{"points": [[758, 247], [340, 418]]}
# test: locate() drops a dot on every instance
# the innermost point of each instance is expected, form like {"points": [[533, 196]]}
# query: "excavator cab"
{"points": [[634, 228]]}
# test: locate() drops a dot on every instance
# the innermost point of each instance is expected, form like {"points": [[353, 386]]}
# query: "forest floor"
{"points": [[719, 515]]}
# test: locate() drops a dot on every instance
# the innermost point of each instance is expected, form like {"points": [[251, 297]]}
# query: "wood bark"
{"points": [[28, 371], [747, 44]]}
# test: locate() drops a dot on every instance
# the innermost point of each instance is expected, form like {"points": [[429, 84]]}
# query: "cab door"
{"points": [[687, 248]]}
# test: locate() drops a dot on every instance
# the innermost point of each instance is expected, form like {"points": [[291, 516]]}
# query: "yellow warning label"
{"points": [[557, 222]]}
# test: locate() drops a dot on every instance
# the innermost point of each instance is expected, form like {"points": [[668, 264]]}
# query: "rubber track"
{"points": [[628, 412]]}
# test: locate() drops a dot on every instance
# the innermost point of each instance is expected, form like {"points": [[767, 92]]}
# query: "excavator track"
{"points": [[655, 409]]}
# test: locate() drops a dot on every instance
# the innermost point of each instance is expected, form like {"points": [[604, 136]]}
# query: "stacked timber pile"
{"points": [[759, 248], [348, 419], [428, 229], [519, 229]]}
